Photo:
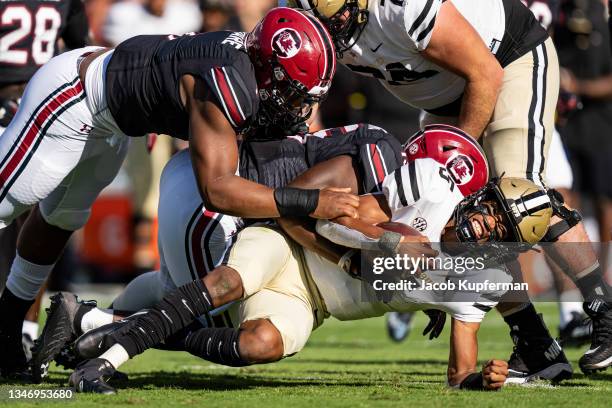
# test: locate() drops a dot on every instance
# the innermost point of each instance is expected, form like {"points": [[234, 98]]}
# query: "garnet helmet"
{"points": [[294, 61], [451, 147]]}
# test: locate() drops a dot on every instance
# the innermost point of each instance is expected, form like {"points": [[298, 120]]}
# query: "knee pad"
{"points": [[66, 219]]}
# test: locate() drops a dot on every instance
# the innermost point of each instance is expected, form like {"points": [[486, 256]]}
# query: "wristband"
{"points": [[345, 261], [473, 381], [389, 241], [295, 202]]}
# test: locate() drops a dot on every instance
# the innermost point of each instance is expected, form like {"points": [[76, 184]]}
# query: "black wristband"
{"points": [[295, 202], [473, 381]]}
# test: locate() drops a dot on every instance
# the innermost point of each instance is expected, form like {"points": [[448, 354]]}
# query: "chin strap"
{"points": [[569, 218]]}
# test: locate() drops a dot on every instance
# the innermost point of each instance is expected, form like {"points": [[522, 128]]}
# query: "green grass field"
{"points": [[344, 364]]}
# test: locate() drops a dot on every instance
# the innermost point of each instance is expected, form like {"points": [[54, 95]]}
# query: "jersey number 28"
{"points": [[42, 25]]}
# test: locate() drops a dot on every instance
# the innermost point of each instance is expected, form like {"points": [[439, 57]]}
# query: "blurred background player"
{"points": [[31, 33]]}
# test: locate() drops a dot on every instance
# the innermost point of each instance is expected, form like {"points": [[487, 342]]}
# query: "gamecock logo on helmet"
{"points": [[286, 43], [461, 169]]}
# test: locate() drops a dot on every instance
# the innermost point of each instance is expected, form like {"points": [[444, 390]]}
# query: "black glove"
{"points": [[8, 109], [437, 319]]}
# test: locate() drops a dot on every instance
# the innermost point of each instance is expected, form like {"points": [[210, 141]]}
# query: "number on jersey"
{"points": [[43, 26]]}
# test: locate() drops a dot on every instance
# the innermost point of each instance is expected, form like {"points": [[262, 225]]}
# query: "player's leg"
{"points": [[37, 151], [272, 325], [67, 209], [517, 141], [252, 258], [574, 330], [249, 268]]}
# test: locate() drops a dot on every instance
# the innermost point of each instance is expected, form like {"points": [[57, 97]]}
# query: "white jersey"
{"points": [[397, 31], [422, 195], [419, 194]]}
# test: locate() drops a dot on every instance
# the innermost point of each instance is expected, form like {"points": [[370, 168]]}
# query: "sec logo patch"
{"points": [[286, 43], [419, 224]]}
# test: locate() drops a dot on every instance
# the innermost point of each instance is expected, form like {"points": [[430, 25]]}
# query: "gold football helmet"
{"points": [[525, 208], [345, 19]]}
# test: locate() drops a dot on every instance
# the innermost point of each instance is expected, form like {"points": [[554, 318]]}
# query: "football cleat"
{"points": [[576, 332], [599, 356], [399, 325], [91, 376], [60, 329], [536, 356]]}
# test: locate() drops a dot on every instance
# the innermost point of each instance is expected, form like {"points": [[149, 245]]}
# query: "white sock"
{"points": [[26, 278], [569, 302], [116, 355], [96, 318], [30, 328]]}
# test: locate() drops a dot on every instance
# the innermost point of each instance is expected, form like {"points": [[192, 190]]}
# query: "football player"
{"points": [[70, 134], [285, 293], [491, 69], [30, 34]]}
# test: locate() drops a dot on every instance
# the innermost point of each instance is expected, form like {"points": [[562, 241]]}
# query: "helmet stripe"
{"points": [[329, 48]]}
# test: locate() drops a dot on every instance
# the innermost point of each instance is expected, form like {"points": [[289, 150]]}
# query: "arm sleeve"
{"points": [[342, 235], [76, 33], [419, 19], [414, 181], [235, 92]]}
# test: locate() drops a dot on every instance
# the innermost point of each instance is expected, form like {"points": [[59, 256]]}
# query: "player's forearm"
{"points": [[233, 195], [479, 99], [463, 356]]}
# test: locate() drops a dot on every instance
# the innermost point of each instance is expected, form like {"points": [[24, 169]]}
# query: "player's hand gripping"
{"points": [[336, 202], [494, 374]]}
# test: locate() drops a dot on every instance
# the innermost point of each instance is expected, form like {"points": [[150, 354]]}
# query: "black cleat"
{"points": [[59, 330], [576, 332], [91, 376], [599, 356], [537, 357], [67, 357]]}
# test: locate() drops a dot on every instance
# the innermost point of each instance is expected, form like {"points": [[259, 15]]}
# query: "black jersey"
{"points": [[275, 163], [143, 75], [523, 33], [29, 30]]}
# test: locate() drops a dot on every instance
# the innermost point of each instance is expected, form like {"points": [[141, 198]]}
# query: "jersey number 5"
{"points": [[42, 26]]}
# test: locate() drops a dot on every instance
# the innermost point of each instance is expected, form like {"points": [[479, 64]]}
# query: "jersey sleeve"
{"points": [[76, 32], [234, 90], [420, 179], [419, 19]]}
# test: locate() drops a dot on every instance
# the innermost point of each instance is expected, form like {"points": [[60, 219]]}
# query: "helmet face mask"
{"points": [[345, 19], [480, 218], [285, 104]]}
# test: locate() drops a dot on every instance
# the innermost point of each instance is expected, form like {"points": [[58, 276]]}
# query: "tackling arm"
{"points": [[456, 46], [214, 154]]}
